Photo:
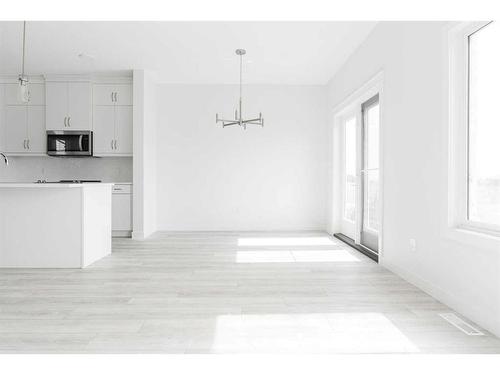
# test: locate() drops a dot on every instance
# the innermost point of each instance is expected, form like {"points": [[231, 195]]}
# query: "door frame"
{"points": [[347, 106]]}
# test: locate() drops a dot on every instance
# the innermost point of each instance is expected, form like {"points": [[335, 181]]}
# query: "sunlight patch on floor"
{"points": [[285, 241]]}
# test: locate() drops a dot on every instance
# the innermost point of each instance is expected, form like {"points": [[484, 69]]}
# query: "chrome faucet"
{"points": [[5, 158]]}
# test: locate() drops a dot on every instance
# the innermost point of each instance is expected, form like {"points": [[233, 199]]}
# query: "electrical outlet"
{"points": [[413, 244]]}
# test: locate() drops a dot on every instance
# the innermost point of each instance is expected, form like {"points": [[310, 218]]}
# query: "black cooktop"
{"points": [[66, 181], [77, 181]]}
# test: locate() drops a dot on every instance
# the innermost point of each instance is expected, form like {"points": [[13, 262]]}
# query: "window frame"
{"points": [[458, 177]]}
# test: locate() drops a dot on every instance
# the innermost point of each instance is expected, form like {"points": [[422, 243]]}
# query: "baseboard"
{"points": [[121, 234], [241, 230], [466, 309]]}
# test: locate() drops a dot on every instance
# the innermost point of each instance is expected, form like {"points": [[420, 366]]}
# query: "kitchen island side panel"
{"points": [[40, 227]]}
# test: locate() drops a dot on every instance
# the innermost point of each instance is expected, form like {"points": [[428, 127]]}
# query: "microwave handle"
{"points": [[80, 142]]}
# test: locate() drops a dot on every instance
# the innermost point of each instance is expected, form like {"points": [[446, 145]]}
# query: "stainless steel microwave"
{"points": [[69, 143]]}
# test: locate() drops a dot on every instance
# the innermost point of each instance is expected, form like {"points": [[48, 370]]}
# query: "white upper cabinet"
{"points": [[37, 135], [123, 129], [36, 94], [104, 130], [67, 103], [22, 128], [57, 105], [69, 106], [79, 106], [112, 94], [15, 131], [112, 118]]}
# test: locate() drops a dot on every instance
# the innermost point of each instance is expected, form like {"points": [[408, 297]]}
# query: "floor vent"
{"points": [[461, 325]]}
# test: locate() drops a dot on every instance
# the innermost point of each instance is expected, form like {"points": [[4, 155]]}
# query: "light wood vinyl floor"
{"points": [[198, 292]]}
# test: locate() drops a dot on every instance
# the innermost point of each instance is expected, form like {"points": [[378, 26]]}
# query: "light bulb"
{"points": [[24, 93]]}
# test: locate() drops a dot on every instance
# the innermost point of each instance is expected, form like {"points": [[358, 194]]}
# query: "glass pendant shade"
{"points": [[23, 90]]}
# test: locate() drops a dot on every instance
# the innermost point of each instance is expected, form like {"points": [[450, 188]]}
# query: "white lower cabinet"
{"points": [[122, 210]]}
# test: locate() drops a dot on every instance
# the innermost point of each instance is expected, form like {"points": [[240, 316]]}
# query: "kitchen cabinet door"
{"points": [[15, 130], [37, 136], [123, 129], [104, 94], [104, 129], [121, 212], [113, 94], [57, 105], [123, 94], [79, 106]]}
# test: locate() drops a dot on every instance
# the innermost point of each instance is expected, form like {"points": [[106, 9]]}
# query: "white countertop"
{"points": [[9, 185]]}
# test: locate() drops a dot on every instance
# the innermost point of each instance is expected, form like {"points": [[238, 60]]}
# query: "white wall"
{"points": [[271, 178], [29, 169], [145, 123], [415, 156]]}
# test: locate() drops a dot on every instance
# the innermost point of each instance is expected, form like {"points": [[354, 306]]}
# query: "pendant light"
{"points": [[238, 115], [23, 93]]}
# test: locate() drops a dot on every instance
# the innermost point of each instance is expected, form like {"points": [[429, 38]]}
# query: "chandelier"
{"points": [[238, 115]]}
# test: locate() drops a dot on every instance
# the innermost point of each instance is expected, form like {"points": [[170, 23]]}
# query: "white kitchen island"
{"points": [[54, 225]]}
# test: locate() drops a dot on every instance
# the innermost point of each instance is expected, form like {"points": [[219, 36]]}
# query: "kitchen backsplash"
{"points": [[29, 169]]}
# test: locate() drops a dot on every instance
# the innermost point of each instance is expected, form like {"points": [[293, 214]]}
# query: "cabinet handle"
{"points": [[111, 144], [65, 121], [28, 144], [24, 144], [112, 99], [116, 97], [116, 142], [69, 121]]}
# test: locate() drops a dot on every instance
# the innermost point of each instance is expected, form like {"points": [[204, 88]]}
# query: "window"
{"points": [[474, 124], [350, 169], [483, 190]]}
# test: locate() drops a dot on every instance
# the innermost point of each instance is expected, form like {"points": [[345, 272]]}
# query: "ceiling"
{"points": [[185, 52]]}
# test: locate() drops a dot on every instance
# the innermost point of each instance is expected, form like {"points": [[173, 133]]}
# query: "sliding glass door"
{"points": [[360, 215], [369, 189], [349, 176]]}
